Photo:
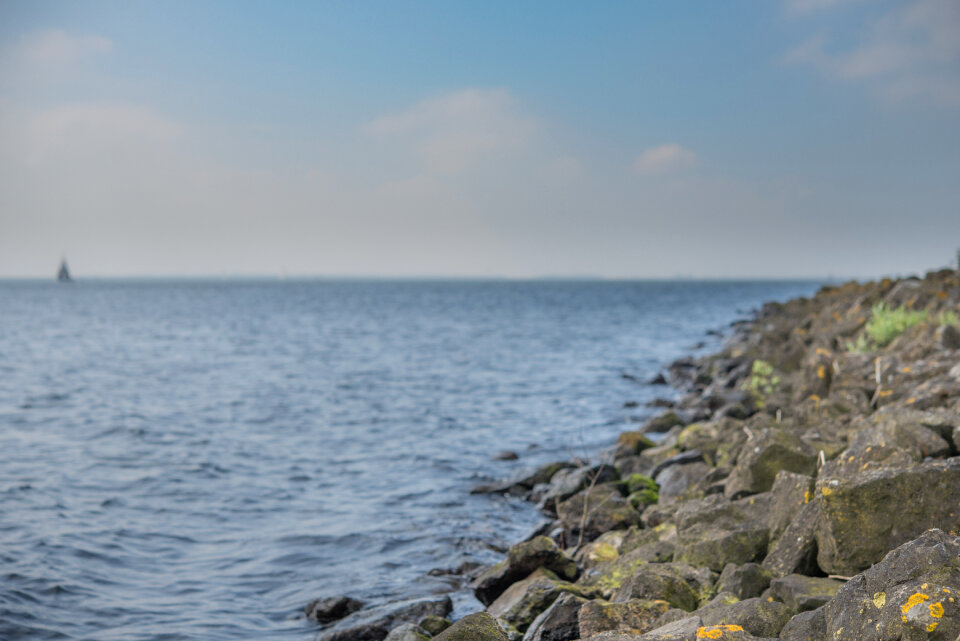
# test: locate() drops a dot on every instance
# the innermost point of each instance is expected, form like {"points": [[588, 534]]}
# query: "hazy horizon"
{"points": [[455, 140]]}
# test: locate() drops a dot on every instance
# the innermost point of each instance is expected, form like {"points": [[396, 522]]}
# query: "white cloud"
{"points": [[806, 6], [664, 159], [56, 47], [91, 129], [912, 50], [452, 132]]}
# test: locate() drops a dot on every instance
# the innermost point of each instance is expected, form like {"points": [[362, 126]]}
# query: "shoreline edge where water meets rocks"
{"points": [[805, 487]]}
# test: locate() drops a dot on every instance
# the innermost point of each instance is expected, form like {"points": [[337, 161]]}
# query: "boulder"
{"points": [[632, 443], [713, 532], [609, 577], [790, 492], [804, 593], [744, 581], [684, 629], [757, 616], [796, 549], [522, 559], [559, 622], [434, 625], [663, 422], [764, 455], [374, 624], [806, 626], [682, 481], [475, 627], [569, 481], [635, 616], [863, 517], [680, 585], [912, 593], [597, 510], [523, 601], [408, 632], [331, 609], [525, 480]]}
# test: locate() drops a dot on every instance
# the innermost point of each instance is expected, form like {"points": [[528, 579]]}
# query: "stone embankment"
{"points": [[806, 488]]}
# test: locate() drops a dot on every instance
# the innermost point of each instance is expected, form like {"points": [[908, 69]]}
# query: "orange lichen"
{"points": [[885, 393], [821, 372], [906, 369], [942, 295], [915, 599], [911, 401], [822, 351], [807, 496], [716, 631]]}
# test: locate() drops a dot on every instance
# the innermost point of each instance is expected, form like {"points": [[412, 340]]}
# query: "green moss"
{"points": [[762, 382], [886, 324]]}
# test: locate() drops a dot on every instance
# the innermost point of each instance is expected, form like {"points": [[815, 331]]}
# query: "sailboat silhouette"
{"points": [[63, 275]]}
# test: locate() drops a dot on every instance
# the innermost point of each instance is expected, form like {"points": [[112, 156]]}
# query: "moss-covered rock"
{"points": [[523, 601], [910, 594], [744, 581], [758, 616], [408, 632], [713, 532], [804, 593], [596, 510], [863, 517], [680, 585], [764, 455], [795, 551], [434, 625], [475, 627], [790, 492], [559, 622], [521, 560], [635, 616]]}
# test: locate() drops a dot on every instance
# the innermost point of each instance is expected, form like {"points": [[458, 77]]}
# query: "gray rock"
{"points": [[863, 517], [332, 608], [790, 492], [910, 594], [374, 624], [806, 626], [796, 549], [757, 616], [597, 510], [408, 632], [476, 627], [764, 455], [804, 593], [521, 560], [559, 622], [744, 581]]}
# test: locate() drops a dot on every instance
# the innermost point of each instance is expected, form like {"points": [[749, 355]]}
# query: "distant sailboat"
{"points": [[64, 274]]}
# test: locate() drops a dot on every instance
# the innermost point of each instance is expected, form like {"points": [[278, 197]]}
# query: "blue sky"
{"points": [[787, 138]]}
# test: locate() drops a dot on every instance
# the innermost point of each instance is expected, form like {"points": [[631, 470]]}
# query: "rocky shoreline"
{"points": [[806, 487]]}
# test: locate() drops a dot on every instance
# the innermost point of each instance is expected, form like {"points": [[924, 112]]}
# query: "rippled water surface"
{"points": [[197, 460]]}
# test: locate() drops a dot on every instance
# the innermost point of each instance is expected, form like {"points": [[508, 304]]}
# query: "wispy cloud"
{"points": [[911, 50], [56, 47], [664, 159], [453, 131]]}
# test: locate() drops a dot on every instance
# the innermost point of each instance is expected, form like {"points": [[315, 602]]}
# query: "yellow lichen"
{"points": [[822, 351], [807, 496], [885, 393], [906, 369], [915, 599], [911, 401], [821, 372], [932, 626], [936, 610], [880, 599], [826, 491]]}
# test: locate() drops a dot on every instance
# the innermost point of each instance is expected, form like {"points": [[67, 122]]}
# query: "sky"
{"points": [[764, 138]]}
